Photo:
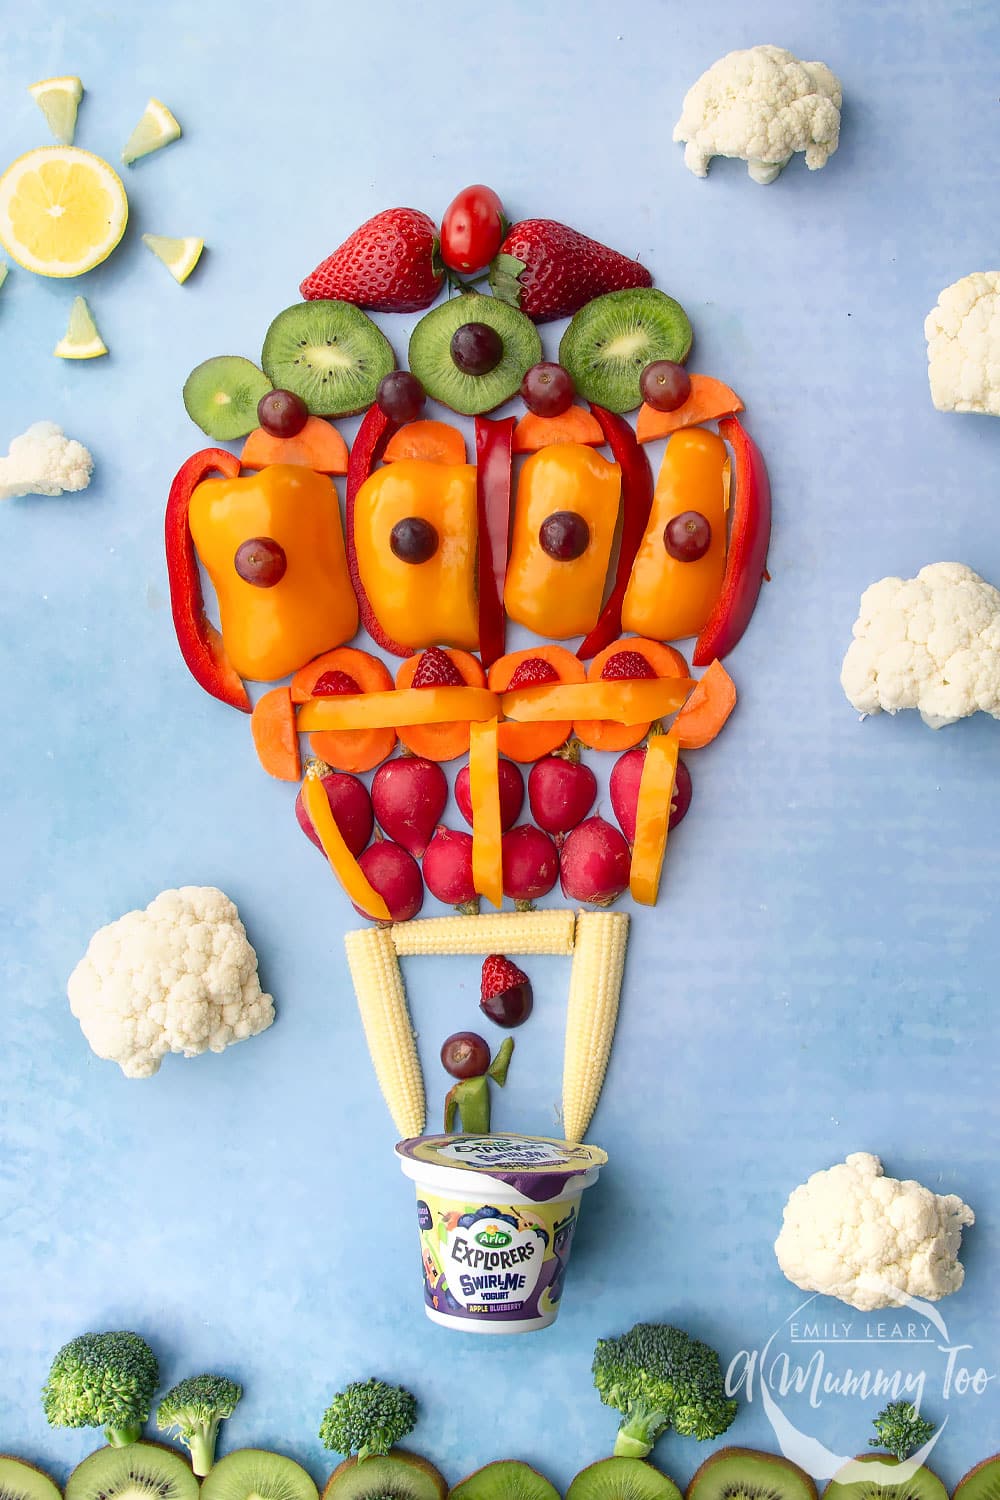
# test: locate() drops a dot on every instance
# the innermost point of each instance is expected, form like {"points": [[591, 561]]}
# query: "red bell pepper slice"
{"points": [[494, 444], [201, 644], [637, 501], [374, 433], [746, 560]]}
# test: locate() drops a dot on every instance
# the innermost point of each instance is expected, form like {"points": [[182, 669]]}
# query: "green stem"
{"points": [[120, 1437]]}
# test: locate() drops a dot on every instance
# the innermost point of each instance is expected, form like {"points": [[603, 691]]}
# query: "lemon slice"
{"points": [[82, 340], [179, 256], [62, 210], [156, 128], [59, 99]]}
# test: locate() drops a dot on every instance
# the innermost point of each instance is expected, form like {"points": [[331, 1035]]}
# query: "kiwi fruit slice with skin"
{"points": [[981, 1483], [22, 1481], [221, 396], [330, 353], [851, 1482], [398, 1475], [745, 1474], [507, 1479], [139, 1471], [431, 362], [612, 339], [254, 1474], [622, 1479]]}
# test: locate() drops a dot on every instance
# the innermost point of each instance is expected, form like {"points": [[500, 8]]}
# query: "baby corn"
{"points": [[515, 932], [378, 985], [594, 988]]}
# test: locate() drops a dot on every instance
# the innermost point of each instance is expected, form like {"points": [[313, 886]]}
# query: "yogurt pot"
{"points": [[496, 1216]]}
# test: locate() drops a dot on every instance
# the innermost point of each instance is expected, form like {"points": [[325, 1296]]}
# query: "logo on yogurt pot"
{"points": [[493, 1237]]}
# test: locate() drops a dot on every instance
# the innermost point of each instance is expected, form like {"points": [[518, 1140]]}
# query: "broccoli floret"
{"points": [[901, 1429], [196, 1407], [368, 1417], [660, 1377], [102, 1380]]}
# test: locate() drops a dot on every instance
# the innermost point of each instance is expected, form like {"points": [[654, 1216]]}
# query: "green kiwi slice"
{"points": [[431, 362], [254, 1474], [507, 1479], [622, 1479], [745, 1474], [330, 353], [221, 396], [22, 1481], [612, 339], [981, 1482], [397, 1476], [850, 1482], [140, 1471]]}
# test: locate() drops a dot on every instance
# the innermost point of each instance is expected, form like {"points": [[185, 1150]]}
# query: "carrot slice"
{"points": [[530, 742], [666, 661], [436, 442], [577, 425], [708, 400], [318, 446], [353, 750], [652, 817], [707, 709], [484, 789], [275, 735], [342, 861], [441, 742]]}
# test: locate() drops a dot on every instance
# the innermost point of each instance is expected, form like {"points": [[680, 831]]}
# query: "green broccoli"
{"points": [[901, 1430], [196, 1407], [660, 1377], [102, 1380], [368, 1417]]}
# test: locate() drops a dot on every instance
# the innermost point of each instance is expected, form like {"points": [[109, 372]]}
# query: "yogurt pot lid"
{"points": [[536, 1166]]}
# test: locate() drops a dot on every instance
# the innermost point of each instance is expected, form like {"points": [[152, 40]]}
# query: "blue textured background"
{"points": [[820, 974]]}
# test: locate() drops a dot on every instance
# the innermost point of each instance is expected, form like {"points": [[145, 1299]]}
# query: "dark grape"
{"points": [[476, 348], [465, 1055], [282, 413], [413, 540], [547, 389], [564, 535], [665, 385], [400, 396], [681, 799], [511, 1007], [261, 561], [687, 536]]}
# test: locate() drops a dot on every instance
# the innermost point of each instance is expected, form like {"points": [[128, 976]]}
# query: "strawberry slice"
{"points": [[333, 684], [436, 669], [534, 671], [626, 666]]}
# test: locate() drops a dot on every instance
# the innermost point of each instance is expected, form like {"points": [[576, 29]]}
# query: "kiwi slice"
{"points": [[221, 395], [22, 1481], [745, 1474], [254, 1474], [140, 1471], [612, 339], [431, 362], [981, 1483], [622, 1479], [397, 1476], [330, 353], [850, 1482]]}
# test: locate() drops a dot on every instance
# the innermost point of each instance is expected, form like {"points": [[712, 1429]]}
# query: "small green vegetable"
{"points": [[102, 1380], [196, 1407], [497, 1069], [368, 1417], [659, 1377], [901, 1430]]}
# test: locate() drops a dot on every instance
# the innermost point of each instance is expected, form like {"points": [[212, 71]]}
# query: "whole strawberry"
{"points": [[562, 270], [390, 264]]}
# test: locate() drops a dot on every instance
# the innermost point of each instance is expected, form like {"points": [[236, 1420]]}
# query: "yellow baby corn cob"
{"points": [[512, 932], [378, 985], [595, 984]]}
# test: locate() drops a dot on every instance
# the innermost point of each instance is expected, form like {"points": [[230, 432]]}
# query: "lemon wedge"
{"points": [[82, 340], [156, 128], [62, 210], [59, 99], [179, 256]]}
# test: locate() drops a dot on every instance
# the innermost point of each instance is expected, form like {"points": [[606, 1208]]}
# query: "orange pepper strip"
{"points": [[342, 861], [484, 789], [652, 817], [622, 702], [400, 708]]}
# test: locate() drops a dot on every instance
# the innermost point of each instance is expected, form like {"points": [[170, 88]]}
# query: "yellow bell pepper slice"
{"points": [[400, 707], [652, 817], [621, 702], [342, 861], [484, 789]]}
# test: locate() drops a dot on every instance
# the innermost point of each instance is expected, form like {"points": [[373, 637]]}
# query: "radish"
{"points": [[624, 790], [448, 869], [395, 874], [351, 807], [561, 791], [594, 863], [530, 863], [409, 795], [511, 793]]}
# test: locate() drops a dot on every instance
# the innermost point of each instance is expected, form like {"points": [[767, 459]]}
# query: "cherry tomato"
{"points": [[472, 229]]}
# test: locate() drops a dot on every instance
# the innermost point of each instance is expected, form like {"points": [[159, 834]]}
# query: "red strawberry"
{"points": [[626, 666], [505, 992], [436, 669], [563, 269], [332, 684], [390, 264], [534, 671]]}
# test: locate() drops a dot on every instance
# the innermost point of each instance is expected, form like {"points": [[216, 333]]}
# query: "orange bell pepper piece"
{"points": [[623, 702], [652, 817], [484, 789], [400, 707], [342, 861]]}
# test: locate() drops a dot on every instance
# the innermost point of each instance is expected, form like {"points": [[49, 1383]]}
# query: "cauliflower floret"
{"points": [[761, 105], [963, 345], [43, 461], [852, 1233], [930, 642], [180, 976]]}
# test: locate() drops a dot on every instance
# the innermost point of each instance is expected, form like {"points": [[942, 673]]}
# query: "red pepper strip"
{"points": [[494, 442], [374, 433], [748, 542], [201, 644], [637, 501]]}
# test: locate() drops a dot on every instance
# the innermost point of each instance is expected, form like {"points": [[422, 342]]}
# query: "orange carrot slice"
{"points": [[530, 742], [666, 661], [275, 735], [708, 400], [577, 425], [318, 446], [484, 789], [353, 750], [652, 817], [435, 442], [342, 861], [707, 709]]}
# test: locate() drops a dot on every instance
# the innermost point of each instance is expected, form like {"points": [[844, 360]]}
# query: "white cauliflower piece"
{"points": [[963, 345], [180, 976], [930, 643], [43, 461], [850, 1232], [761, 105]]}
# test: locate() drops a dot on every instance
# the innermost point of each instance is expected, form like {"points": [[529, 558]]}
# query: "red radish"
{"points": [[530, 863], [351, 807], [594, 863], [448, 868], [396, 876], [409, 796], [511, 793], [624, 789], [561, 791]]}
